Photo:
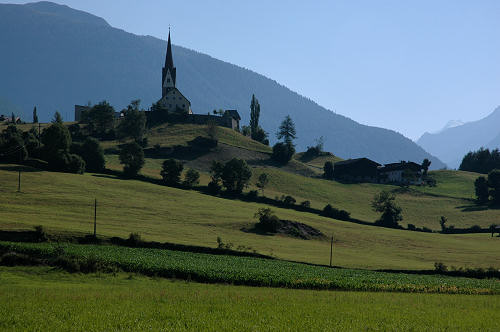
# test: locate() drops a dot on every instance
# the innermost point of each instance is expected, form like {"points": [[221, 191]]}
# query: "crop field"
{"points": [[44, 299], [63, 203], [256, 271]]}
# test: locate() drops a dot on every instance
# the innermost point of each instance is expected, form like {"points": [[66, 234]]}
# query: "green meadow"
{"points": [[63, 203], [44, 299]]}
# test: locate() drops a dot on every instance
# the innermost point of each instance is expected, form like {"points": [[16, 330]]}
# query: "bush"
{"points": [[204, 142], [305, 204], [252, 195], [63, 161], [331, 212], [283, 153], [288, 200], [171, 172], [40, 234], [214, 188], [268, 221], [191, 178], [16, 259], [412, 227], [134, 239], [132, 158], [440, 267]]}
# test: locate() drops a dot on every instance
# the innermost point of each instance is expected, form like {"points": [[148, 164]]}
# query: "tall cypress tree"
{"points": [[35, 116], [254, 117]]}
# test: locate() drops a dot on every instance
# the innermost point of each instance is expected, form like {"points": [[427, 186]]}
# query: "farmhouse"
{"points": [[357, 170], [405, 172], [366, 170]]}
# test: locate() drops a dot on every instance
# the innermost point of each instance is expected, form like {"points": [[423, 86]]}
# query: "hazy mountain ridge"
{"points": [[452, 144], [56, 57]]}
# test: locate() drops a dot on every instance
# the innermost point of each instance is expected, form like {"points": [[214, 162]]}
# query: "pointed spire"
{"points": [[169, 60]]}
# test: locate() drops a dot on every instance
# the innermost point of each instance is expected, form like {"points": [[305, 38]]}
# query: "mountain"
{"points": [[452, 144], [450, 124], [55, 57]]}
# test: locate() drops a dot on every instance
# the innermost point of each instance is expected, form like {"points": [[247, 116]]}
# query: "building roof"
{"points": [[401, 166], [354, 161], [177, 90], [233, 113]]}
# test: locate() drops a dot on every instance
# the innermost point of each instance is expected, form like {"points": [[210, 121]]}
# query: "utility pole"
{"points": [[95, 217], [19, 182], [331, 251], [39, 136]]}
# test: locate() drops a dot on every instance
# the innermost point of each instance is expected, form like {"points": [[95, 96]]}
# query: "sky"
{"points": [[410, 66]]}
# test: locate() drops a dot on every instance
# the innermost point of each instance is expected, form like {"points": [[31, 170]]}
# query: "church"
{"points": [[172, 100]]}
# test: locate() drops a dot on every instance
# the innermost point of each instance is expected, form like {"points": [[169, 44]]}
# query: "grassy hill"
{"points": [[301, 178], [64, 203]]}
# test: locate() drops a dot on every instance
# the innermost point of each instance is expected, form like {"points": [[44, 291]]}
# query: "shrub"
{"points": [[40, 234], [134, 239], [16, 259], [63, 161], [411, 227], [252, 195], [440, 267], [283, 153], [171, 172], [268, 221], [331, 212], [305, 204], [204, 142], [288, 200], [191, 178]]}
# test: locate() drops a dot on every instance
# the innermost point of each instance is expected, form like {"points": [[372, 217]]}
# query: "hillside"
{"points": [[56, 57], [64, 203], [452, 144]]}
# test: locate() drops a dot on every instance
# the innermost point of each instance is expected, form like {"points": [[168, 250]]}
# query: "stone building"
{"points": [[172, 100]]}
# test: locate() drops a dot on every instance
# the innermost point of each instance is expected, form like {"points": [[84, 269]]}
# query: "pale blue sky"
{"points": [[405, 65]]}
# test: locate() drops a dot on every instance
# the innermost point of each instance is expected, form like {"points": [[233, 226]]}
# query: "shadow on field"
{"points": [[17, 168]]}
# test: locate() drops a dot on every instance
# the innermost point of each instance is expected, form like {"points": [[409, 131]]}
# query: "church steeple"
{"points": [[169, 71]]}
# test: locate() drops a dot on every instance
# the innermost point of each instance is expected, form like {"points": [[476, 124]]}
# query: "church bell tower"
{"points": [[169, 71]]}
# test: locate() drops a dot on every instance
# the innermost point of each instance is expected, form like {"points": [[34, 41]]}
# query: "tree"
{"points": [[283, 153], [425, 166], [328, 170], [132, 158], [254, 117], [481, 188], [57, 118], [262, 182], [268, 221], [171, 172], [235, 175], [245, 130], [287, 131], [442, 223], [35, 116], [494, 184], [191, 178], [92, 153], [99, 119], [12, 145], [56, 137], [133, 123], [384, 202], [214, 186]]}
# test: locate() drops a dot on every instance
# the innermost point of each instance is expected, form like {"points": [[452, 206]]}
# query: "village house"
{"points": [[405, 172], [356, 170], [366, 170]]}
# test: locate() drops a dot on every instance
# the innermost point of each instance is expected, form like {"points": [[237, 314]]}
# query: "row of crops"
{"points": [[254, 271]]}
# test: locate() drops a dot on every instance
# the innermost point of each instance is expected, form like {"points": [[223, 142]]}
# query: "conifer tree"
{"points": [[254, 117], [35, 116]]}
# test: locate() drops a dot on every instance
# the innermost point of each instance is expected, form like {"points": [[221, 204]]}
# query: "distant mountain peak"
{"points": [[51, 8], [450, 124]]}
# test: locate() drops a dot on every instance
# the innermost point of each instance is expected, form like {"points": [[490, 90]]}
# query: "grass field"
{"points": [[64, 203], [255, 271], [41, 299]]}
